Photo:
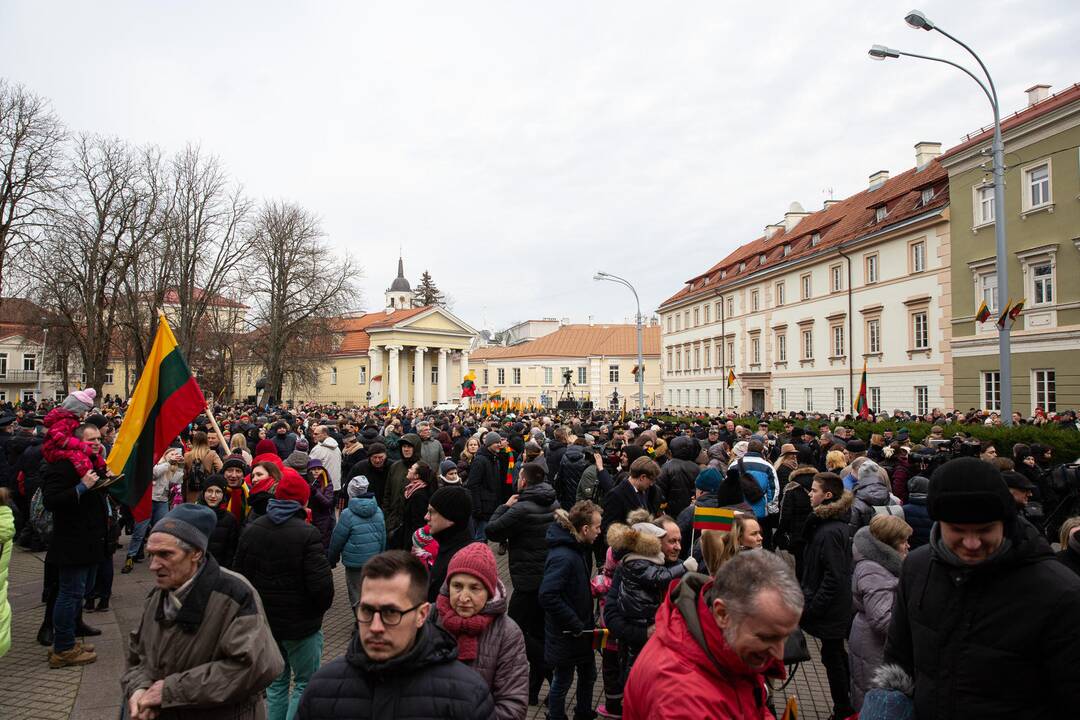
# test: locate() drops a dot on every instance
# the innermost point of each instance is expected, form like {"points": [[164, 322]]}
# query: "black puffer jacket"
{"points": [[566, 596], [80, 521], [997, 639], [224, 539], [483, 484], [287, 564], [827, 568], [523, 526], [554, 454], [571, 468], [426, 682], [677, 477], [795, 508], [645, 576]]}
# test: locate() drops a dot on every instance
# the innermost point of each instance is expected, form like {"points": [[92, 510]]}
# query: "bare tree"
{"points": [[31, 166], [298, 289], [90, 245]]}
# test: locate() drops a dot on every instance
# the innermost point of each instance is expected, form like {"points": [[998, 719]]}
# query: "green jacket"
{"points": [[7, 541]]}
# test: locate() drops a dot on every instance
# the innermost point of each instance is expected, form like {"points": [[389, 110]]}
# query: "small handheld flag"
{"points": [[983, 313], [706, 518], [600, 638]]}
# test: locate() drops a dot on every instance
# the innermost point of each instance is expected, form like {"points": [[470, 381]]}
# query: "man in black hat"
{"points": [[985, 622]]}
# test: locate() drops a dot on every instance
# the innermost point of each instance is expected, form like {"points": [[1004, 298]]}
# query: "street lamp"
{"points": [[603, 276], [917, 20]]}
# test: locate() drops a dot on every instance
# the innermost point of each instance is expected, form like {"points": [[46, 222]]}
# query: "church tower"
{"points": [[399, 295]]}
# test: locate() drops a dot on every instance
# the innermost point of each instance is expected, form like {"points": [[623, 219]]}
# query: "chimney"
{"points": [[830, 203], [878, 179], [590, 321], [1037, 93], [794, 214], [926, 151], [771, 230]]}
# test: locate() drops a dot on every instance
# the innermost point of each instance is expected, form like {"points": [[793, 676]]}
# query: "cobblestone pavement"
{"points": [[31, 691]]}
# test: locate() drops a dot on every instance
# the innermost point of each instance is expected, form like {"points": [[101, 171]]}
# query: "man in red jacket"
{"points": [[716, 642]]}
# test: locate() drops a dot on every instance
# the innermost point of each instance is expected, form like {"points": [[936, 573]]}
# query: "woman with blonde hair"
{"points": [[719, 546], [200, 462], [835, 461], [239, 446]]}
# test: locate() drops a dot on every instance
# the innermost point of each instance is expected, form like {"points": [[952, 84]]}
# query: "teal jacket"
{"points": [[360, 533]]}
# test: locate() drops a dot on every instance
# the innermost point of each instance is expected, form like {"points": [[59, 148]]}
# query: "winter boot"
{"points": [[77, 655]]}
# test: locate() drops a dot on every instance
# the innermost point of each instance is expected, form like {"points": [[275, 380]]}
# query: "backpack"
{"points": [[196, 477], [751, 490], [40, 518]]}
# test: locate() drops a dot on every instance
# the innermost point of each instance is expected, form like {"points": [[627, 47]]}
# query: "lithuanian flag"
{"points": [[983, 314], [730, 378], [166, 399], [707, 518], [862, 408], [384, 405], [600, 638]]}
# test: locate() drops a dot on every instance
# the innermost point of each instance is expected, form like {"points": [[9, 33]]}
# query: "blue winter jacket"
{"points": [[360, 533], [760, 469]]}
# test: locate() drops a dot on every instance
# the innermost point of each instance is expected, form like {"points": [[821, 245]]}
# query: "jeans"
{"points": [[301, 661], [560, 686], [74, 580], [835, 659], [159, 510], [478, 530]]}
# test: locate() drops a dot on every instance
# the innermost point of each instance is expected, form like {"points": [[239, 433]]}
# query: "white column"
{"points": [[465, 371], [443, 374], [420, 381], [393, 376], [375, 368]]}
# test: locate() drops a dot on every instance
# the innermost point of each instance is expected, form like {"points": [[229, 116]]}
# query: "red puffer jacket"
{"points": [[674, 678]]}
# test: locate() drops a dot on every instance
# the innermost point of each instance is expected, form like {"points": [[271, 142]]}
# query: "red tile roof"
{"points": [[580, 341], [844, 220], [355, 337], [1060, 99]]}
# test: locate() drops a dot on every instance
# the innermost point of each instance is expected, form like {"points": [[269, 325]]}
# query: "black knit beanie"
{"points": [[969, 490], [453, 503]]}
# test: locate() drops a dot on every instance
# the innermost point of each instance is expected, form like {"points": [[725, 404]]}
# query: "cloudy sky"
{"points": [[514, 148]]}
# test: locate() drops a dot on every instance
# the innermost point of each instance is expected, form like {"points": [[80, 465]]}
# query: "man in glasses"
{"points": [[398, 665]]}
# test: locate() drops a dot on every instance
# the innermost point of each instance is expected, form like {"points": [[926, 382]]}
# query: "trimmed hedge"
{"points": [[1065, 443]]}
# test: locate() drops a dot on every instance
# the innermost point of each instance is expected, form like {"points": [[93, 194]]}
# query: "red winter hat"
{"points": [[477, 560], [265, 447], [294, 487]]}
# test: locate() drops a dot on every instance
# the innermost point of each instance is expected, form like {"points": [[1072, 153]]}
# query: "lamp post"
{"points": [[640, 341], [919, 21]]}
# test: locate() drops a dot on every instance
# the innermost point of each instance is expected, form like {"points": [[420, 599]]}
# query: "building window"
{"points": [[549, 373], [808, 399], [485, 376], [761, 259], [719, 310], [1043, 278], [874, 399], [731, 306], [838, 399], [333, 376], [1045, 387], [697, 317], [697, 398], [983, 205], [697, 357], [836, 276], [434, 374], [804, 282], [807, 344], [670, 397], [670, 360], [1037, 182], [706, 311], [988, 290], [678, 359], [838, 341], [780, 299], [991, 390], [29, 396], [873, 336], [782, 398], [731, 353], [918, 256], [361, 375], [781, 347], [922, 400], [708, 400], [500, 376], [516, 375], [582, 375], [678, 322], [742, 266], [686, 319], [926, 195], [880, 212], [755, 300], [755, 350], [29, 362], [108, 376], [669, 324], [871, 269], [815, 239], [920, 330], [706, 348]]}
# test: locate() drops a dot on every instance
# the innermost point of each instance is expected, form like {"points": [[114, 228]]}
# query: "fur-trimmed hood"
{"points": [[867, 547], [836, 510], [562, 519], [633, 544], [802, 476]]}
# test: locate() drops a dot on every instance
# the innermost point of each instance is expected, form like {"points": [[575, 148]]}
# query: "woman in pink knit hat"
{"points": [[471, 606]]}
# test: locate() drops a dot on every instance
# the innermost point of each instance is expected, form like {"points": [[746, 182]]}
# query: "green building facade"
{"points": [[1042, 222]]}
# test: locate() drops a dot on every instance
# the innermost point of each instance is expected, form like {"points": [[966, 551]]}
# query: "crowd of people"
{"points": [[923, 567]]}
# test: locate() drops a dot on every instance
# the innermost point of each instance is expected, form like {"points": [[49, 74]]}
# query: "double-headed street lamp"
{"points": [[640, 342], [919, 21]]}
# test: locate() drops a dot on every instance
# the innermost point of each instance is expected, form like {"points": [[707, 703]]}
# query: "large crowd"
{"points": [[687, 559]]}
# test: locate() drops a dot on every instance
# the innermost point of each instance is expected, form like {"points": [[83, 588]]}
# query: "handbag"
{"points": [[795, 648]]}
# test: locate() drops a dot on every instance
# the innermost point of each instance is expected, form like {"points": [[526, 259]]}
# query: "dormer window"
{"points": [[880, 212], [787, 250], [761, 259], [723, 274], [927, 195], [742, 266], [815, 239]]}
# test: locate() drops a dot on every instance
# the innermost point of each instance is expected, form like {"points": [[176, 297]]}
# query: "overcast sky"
{"points": [[514, 148]]}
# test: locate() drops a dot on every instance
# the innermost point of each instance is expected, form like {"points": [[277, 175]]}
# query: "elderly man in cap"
{"points": [[985, 623], [202, 648]]}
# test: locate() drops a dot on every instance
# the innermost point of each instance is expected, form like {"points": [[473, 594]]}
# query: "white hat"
{"points": [[358, 486]]}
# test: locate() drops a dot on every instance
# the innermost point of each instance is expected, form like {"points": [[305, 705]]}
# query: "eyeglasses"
{"points": [[388, 614]]}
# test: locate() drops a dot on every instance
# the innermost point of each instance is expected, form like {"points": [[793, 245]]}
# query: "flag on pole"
{"points": [[862, 408], [1016, 310], [1004, 315], [983, 313], [708, 518], [384, 405], [166, 399], [730, 378], [468, 387]]}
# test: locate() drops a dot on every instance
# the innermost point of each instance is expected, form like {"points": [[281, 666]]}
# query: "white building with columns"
{"points": [[403, 355]]}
